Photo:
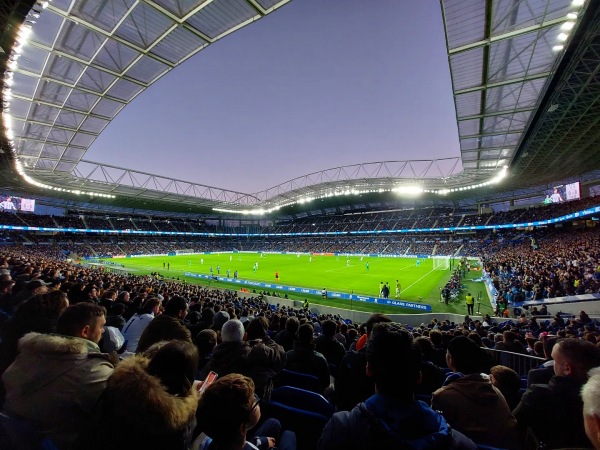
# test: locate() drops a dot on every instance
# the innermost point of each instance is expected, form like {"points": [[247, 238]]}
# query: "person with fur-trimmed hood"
{"points": [[150, 401], [56, 379]]}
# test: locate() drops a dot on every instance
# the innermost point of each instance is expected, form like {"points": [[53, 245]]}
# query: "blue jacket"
{"points": [[382, 423]]}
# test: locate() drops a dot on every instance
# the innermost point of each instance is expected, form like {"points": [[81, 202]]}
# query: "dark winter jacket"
{"points": [[303, 358], [163, 328], [382, 423], [554, 412]]}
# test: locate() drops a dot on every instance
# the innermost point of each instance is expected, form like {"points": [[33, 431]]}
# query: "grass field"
{"points": [[336, 274]]}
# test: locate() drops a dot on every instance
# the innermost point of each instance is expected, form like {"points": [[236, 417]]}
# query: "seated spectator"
{"points": [[205, 341], [133, 329], [391, 418], [303, 358], [545, 372], [56, 380], [508, 382], [510, 343], [289, 335], [328, 345], [39, 314], [554, 411], [167, 326], [591, 407], [150, 402], [470, 403], [432, 377], [352, 385], [229, 408], [261, 360]]}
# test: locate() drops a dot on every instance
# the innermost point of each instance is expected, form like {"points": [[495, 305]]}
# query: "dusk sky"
{"points": [[315, 85]]}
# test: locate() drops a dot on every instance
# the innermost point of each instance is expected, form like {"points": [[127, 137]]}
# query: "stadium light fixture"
{"points": [[558, 48], [577, 3], [567, 26], [562, 37]]}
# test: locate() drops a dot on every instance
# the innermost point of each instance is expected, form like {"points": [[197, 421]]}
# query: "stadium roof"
{"points": [[522, 77]]}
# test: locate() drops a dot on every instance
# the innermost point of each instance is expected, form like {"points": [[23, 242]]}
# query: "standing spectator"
{"points": [[57, 379]]}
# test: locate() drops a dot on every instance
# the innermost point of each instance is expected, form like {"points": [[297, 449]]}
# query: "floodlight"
{"points": [[562, 37], [567, 26]]}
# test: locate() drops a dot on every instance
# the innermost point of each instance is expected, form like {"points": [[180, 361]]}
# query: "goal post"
{"points": [[441, 262]]}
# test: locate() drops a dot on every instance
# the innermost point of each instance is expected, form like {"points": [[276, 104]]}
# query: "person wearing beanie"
{"points": [[470, 402]]}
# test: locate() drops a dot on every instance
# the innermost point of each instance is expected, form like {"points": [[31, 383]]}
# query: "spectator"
{"points": [[330, 347], [150, 402], [56, 380], [554, 411], [289, 335], [229, 409], [206, 341], [470, 403], [303, 358], [543, 374], [510, 343], [261, 360], [167, 326], [133, 329], [591, 407], [352, 385], [508, 382], [391, 418]]}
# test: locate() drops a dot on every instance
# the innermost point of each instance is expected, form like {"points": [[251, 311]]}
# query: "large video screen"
{"points": [[563, 193], [9, 203]]}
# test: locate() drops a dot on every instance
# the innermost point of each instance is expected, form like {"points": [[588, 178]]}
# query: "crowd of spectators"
{"points": [[62, 371]]}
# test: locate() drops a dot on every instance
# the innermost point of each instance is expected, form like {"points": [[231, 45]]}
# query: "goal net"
{"points": [[184, 251], [441, 263]]}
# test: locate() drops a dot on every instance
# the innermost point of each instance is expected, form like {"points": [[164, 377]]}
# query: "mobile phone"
{"points": [[210, 378]]}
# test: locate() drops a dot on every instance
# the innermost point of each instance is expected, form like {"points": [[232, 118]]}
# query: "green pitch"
{"points": [[419, 282]]}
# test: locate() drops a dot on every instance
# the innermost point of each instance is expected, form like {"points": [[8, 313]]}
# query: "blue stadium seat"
{"points": [[302, 399], [299, 380], [22, 436], [301, 411]]}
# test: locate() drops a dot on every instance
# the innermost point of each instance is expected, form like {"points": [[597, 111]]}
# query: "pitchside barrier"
{"points": [[299, 290], [519, 362]]}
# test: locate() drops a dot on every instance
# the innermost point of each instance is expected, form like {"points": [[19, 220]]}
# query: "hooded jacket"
{"points": [[55, 383], [260, 359], [136, 411], [473, 406], [383, 423]]}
